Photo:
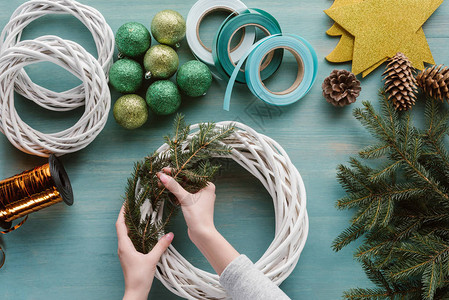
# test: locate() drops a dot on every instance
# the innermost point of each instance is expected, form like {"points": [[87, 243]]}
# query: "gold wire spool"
{"points": [[31, 191]]}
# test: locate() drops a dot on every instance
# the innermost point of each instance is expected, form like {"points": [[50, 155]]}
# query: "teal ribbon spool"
{"points": [[306, 58], [222, 42]]}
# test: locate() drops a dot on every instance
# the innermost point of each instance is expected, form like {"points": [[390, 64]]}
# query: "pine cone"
{"points": [[341, 88], [400, 82], [434, 82]]}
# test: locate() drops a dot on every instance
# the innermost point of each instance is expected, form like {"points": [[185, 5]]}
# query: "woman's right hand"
{"points": [[198, 209]]}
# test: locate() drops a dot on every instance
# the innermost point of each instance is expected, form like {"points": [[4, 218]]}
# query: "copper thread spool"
{"points": [[33, 190]]}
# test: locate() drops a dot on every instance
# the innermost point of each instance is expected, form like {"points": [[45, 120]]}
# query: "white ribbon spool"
{"points": [[267, 161], [75, 59], [90, 17], [196, 15]]}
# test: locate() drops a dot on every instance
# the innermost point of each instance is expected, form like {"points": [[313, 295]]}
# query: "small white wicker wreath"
{"points": [[267, 161], [80, 63], [90, 17]]}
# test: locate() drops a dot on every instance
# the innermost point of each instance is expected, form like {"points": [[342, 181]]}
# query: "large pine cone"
{"points": [[341, 88], [400, 82], [434, 82]]}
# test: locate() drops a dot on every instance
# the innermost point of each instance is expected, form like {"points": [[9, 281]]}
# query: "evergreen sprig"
{"points": [[400, 203], [190, 161]]}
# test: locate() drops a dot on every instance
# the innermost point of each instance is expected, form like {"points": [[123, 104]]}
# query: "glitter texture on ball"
{"points": [[168, 27], [163, 97], [130, 111], [194, 78], [126, 76], [160, 62], [133, 39]]}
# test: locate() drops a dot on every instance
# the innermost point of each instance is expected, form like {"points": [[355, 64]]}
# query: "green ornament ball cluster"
{"points": [[130, 111], [133, 39], [159, 62], [126, 76], [194, 78]]}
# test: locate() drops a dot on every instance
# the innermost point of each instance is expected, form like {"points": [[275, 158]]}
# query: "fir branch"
{"points": [[380, 243], [426, 255], [376, 124], [376, 275], [368, 294], [347, 236], [354, 180], [374, 151], [381, 294], [438, 127], [401, 205], [189, 158], [386, 171], [390, 113]]}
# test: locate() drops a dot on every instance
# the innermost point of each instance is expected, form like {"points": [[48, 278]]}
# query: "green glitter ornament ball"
{"points": [[160, 62], [163, 97], [126, 75], [130, 111], [168, 27], [133, 39], [194, 78]]}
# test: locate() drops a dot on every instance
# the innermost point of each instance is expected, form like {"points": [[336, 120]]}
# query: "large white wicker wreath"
{"points": [[267, 161]]}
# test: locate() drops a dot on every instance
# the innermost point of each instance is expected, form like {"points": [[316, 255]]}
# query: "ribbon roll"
{"points": [[34, 190], [305, 56], [222, 43], [31, 191], [198, 12]]}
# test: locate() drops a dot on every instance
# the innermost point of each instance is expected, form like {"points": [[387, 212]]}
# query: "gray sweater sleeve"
{"points": [[243, 281]]}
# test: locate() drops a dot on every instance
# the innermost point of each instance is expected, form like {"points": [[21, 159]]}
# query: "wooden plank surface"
{"points": [[70, 252]]}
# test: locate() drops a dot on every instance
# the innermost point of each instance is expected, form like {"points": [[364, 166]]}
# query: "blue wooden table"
{"points": [[70, 252]]}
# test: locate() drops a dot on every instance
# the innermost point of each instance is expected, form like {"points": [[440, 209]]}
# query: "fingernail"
{"points": [[163, 178], [169, 236]]}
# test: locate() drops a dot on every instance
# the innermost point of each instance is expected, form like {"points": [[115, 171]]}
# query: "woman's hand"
{"points": [[198, 209], [138, 268]]}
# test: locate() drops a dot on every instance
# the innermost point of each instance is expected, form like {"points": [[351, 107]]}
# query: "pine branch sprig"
{"points": [[189, 157], [400, 203]]}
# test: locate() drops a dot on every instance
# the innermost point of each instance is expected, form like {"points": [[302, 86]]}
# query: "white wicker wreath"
{"points": [[267, 161], [90, 17], [80, 63]]}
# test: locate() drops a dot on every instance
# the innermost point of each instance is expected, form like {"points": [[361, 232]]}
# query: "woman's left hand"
{"points": [[138, 268]]}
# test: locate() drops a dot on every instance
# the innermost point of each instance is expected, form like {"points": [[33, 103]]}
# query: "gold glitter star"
{"points": [[378, 29]]}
